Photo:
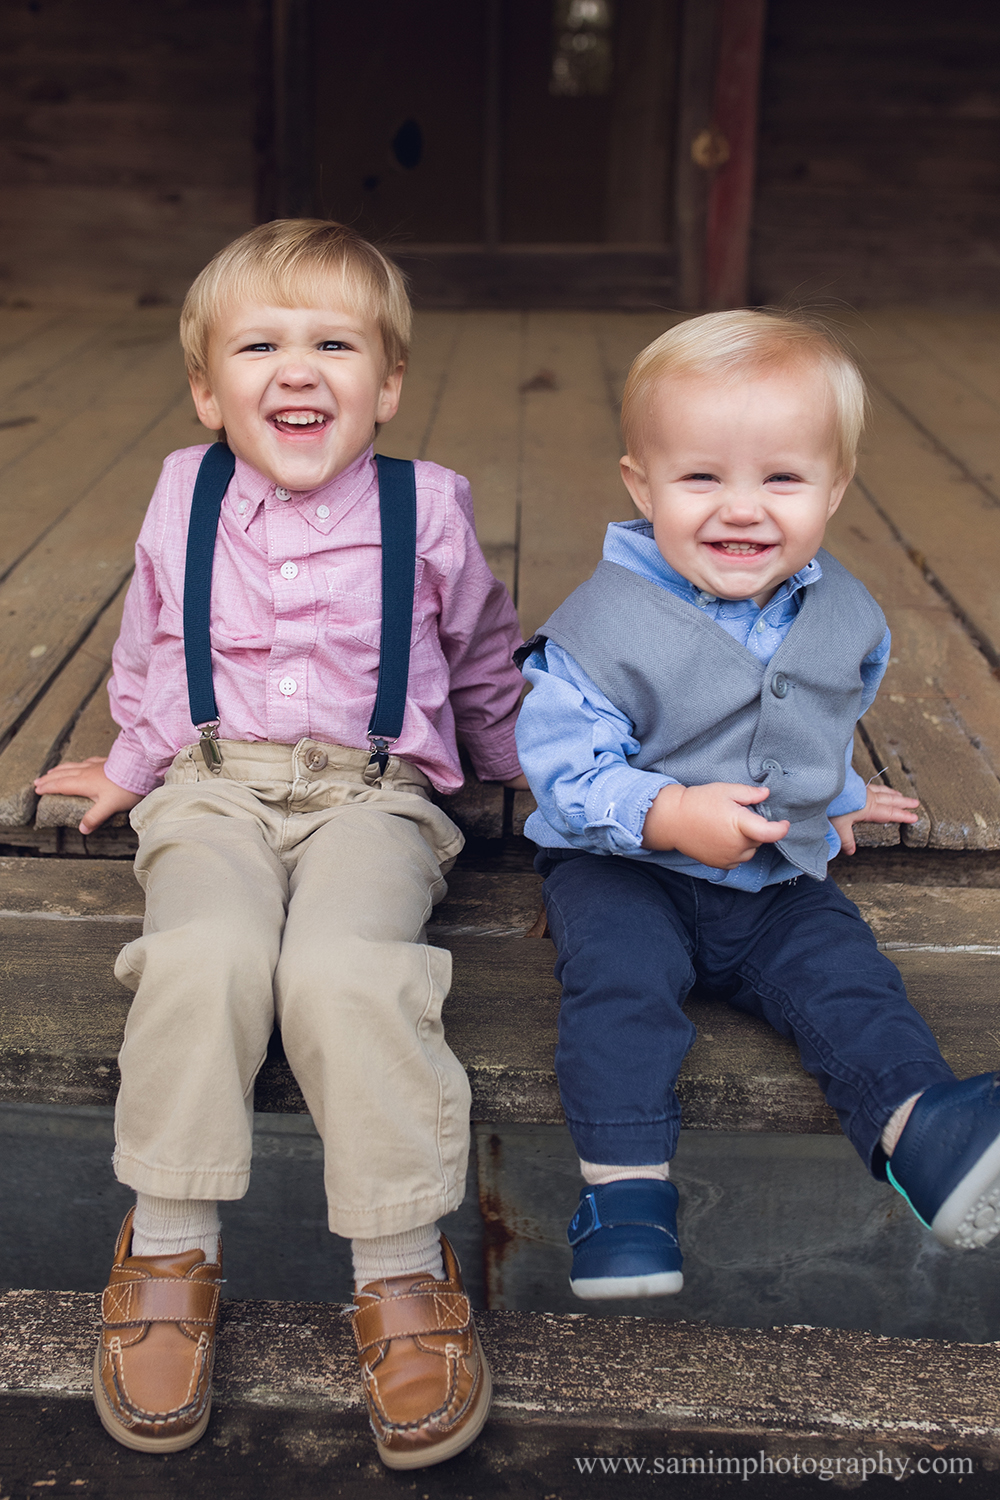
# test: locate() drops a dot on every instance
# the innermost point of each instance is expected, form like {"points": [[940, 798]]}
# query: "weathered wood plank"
{"points": [[288, 1406], [570, 487], [476, 428], [944, 517], [128, 393], [62, 1018], [936, 721], [54, 594], [37, 742], [434, 338], [94, 734]]}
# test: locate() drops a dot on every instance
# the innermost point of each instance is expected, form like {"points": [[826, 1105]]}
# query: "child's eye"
{"points": [[782, 479], [701, 478], [262, 348], [333, 344]]}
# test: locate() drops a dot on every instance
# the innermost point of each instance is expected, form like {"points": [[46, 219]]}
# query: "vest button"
{"points": [[770, 765], [779, 685], [316, 760]]}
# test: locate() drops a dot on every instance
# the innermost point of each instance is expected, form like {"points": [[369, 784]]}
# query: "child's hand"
{"points": [[882, 805], [86, 778], [713, 824]]}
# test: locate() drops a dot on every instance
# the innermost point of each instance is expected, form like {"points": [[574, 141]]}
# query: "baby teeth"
{"points": [[298, 418]]}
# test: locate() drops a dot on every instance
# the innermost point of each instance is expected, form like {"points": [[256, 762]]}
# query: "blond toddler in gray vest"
{"points": [[688, 739]]}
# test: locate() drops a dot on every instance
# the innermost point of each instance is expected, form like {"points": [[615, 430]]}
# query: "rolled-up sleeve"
{"points": [[573, 745]]}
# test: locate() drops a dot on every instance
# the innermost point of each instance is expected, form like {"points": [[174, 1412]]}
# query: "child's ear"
{"points": [[838, 492], [634, 478], [388, 398], [205, 403]]}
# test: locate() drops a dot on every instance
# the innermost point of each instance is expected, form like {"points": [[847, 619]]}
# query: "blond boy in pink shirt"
{"points": [[288, 869]]}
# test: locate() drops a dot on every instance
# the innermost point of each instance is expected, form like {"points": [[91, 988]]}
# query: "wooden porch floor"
{"points": [[525, 404]]}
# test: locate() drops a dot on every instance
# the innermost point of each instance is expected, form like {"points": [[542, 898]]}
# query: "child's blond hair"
{"points": [[290, 263], [728, 346]]}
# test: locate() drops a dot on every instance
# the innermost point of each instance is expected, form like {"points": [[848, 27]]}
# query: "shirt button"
{"points": [[316, 760], [707, 598], [287, 686], [243, 507], [779, 685], [289, 570], [281, 493], [323, 511], [761, 626]]}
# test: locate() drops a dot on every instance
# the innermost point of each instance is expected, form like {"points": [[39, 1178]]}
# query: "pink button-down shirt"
{"points": [[296, 624]]}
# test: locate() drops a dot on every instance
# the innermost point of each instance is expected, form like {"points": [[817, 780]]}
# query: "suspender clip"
{"points": [[210, 746], [380, 758]]}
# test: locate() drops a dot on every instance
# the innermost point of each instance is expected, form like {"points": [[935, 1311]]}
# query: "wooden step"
{"points": [[62, 1012], [572, 1394]]}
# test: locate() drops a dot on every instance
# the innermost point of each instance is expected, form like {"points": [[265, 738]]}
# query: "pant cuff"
{"points": [[649, 1144], [394, 1218], [169, 1182]]}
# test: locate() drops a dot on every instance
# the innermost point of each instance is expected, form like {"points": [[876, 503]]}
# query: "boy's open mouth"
{"points": [[299, 422], [741, 549]]}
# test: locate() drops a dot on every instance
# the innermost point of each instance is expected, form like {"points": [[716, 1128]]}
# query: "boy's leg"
{"points": [[800, 956], [359, 997], [202, 972], [814, 971], [622, 931], [196, 1034]]}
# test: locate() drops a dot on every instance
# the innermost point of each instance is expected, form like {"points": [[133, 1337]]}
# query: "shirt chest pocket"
{"points": [[355, 598]]}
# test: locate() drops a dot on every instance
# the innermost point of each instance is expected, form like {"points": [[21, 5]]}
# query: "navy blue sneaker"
{"points": [[947, 1161], [624, 1239]]}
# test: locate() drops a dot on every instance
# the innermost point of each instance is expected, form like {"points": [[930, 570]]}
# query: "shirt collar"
{"points": [[632, 545], [250, 490]]}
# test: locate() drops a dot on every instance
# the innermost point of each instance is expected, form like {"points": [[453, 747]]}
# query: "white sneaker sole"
{"points": [[970, 1216], [597, 1288]]}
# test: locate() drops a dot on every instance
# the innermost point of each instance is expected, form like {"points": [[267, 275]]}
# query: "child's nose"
{"points": [[297, 374], [740, 508]]}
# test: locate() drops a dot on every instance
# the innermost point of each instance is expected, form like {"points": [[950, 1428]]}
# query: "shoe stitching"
{"points": [[441, 1413], [192, 1405]]}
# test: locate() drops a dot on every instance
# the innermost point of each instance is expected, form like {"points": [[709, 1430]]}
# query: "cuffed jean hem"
{"points": [[865, 1126], [170, 1182], [649, 1143]]}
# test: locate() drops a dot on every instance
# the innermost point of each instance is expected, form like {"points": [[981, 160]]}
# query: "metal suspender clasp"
{"points": [[210, 746], [375, 769]]}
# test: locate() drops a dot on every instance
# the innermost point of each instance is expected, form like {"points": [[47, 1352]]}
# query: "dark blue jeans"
{"points": [[633, 938]]}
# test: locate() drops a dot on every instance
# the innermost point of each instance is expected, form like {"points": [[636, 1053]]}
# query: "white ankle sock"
{"points": [[168, 1226], [405, 1254], [596, 1174], [896, 1124]]}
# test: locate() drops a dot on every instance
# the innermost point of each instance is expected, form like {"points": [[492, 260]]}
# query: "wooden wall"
{"points": [[125, 143], [879, 152]]}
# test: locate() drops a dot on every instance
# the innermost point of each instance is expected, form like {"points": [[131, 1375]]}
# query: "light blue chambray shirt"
{"points": [[574, 744]]}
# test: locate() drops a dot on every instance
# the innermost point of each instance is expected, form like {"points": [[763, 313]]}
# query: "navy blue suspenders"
{"points": [[397, 504]]}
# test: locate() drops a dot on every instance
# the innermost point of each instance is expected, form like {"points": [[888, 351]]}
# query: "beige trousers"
{"points": [[288, 890]]}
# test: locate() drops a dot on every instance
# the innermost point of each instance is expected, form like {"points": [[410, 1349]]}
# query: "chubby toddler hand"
{"points": [[86, 778], [715, 824], [882, 805]]}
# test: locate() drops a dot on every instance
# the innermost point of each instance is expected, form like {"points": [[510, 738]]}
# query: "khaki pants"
{"points": [[276, 892]]}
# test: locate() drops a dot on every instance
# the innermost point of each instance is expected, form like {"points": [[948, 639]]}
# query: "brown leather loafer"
{"points": [[153, 1367], [426, 1379]]}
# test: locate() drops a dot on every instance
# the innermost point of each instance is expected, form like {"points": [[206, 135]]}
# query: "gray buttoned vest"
{"points": [[705, 709]]}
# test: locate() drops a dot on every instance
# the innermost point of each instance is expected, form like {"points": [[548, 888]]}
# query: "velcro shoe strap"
{"points": [[161, 1299], [411, 1316]]}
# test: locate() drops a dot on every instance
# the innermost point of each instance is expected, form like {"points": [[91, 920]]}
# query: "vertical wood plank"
{"points": [[699, 27], [730, 199]]}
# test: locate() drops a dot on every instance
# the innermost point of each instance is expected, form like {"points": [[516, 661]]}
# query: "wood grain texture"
{"points": [[36, 745], [62, 1012]]}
